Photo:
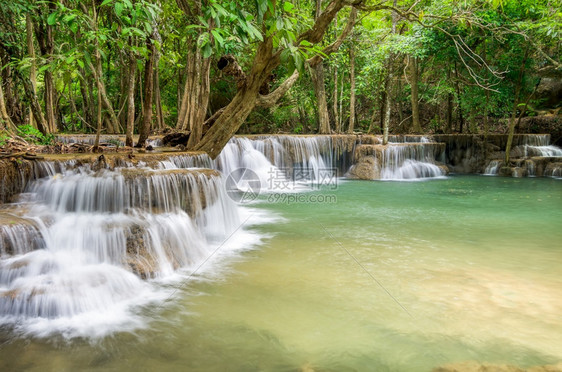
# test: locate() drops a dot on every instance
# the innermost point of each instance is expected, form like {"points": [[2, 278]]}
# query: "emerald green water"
{"points": [[394, 276]]}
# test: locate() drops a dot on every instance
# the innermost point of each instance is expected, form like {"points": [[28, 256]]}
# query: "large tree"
{"points": [[252, 86]]}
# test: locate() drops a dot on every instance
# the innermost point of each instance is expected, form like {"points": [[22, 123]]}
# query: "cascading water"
{"points": [[282, 159], [81, 242], [530, 157], [410, 161], [552, 151], [492, 168]]}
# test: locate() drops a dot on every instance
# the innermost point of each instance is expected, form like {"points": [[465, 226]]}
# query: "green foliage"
{"points": [[31, 134], [481, 79], [4, 136]]}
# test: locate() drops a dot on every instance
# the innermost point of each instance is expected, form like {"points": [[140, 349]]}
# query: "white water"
{"points": [[76, 266], [492, 168], [101, 232], [404, 162], [282, 163], [550, 151], [297, 161], [412, 170]]}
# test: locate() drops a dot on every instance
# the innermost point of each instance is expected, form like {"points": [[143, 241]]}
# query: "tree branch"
{"points": [[272, 98], [316, 33], [336, 44]]}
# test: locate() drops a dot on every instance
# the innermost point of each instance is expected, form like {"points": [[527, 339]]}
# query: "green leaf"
{"points": [[118, 9], [148, 27], [105, 2], [254, 31], [69, 18], [288, 7], [52, 19], [207, 51], [218, 37]]}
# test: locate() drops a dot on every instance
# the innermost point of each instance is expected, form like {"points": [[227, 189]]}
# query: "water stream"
{"points": [[158, 269]]}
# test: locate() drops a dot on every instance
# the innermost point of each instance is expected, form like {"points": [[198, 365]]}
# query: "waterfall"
{"points": [[543, 150], [492, 168], [410, 161], [287, 160], [535, 139], [76, 249]]}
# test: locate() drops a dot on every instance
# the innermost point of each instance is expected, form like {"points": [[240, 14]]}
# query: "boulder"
{"points": [[367, 168], [176, 138]]}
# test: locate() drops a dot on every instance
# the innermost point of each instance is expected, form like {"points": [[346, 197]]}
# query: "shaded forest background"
{"points": [[146, 66]]}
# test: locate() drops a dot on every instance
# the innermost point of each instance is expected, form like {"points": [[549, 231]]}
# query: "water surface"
{"points": [[393, 276]]}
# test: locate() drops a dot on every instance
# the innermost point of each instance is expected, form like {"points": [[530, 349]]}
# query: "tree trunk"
{"points": [[99, 114], [317, 73], [35, 106], [45, 39], [387, 108], [449, 106], [318, 79], [123, 87], [189, 81], [49, 96], [372, 122], [158, 100], [337, 124], [195, 97], [87, 105], [341, 101], [458, 89], [486, 107], [132, 71], [157, 96], [113, 126], [11, 98], [351, 127], [33, 67], [198, 110], [416, 127], [228, 123], [388, 82], [264, 62], [5, 120], [512, 122], [144, 130]]}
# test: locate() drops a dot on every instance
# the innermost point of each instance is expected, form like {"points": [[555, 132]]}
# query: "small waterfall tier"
{"points": [[531, 156], [288, 159], [76, 247], [399, 161]]}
